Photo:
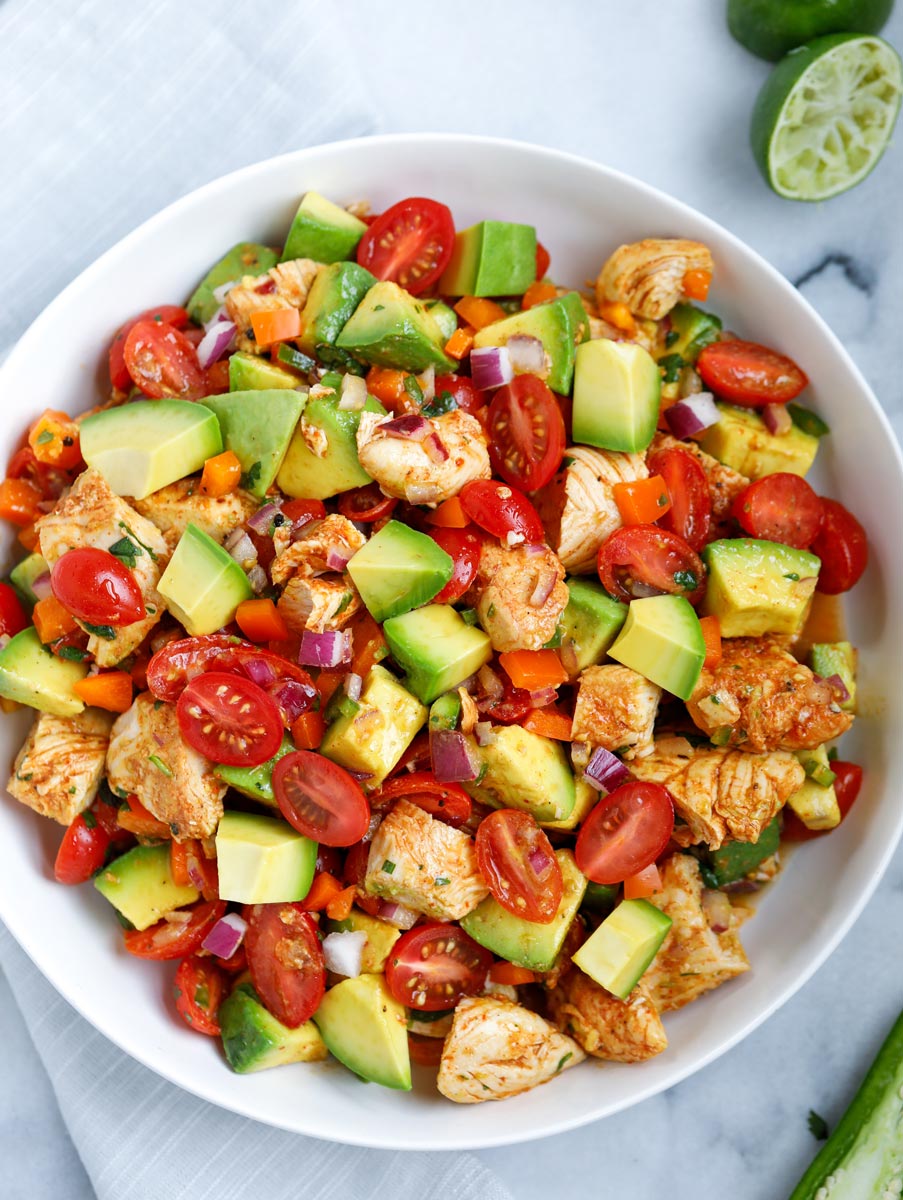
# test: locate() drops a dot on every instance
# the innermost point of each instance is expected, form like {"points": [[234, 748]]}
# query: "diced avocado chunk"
{"points": [[317, 477], [141, 447], [139, 884], [262, 860], [734, 860], [617, 388], [254, 1040], [373, 739], [816, 805], [257, 427], [600, 897], [202, 584], [399, 569], [740, 439], [836, 658], [247, 258], [591, 621], [524, 770], [817, 765], [757, 587], [560, 324], [365, 1027], [493, 258], [691, 331], [528, 943], [623, 946], [445, 712], [322, 231], [390, 328], [662, 639], [256, 782], [334, 295], [446, 318], [586, 797], [24, 573], [436, 648], [30, 674], [250, 373], [381, 937]]}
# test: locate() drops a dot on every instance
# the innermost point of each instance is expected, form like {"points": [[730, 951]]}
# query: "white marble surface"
{"points": [[659, 91]]}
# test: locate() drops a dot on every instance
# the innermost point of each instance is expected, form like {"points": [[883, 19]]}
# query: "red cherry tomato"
{"points": [[462, 391], [198, 988], [229, 720], [501, 509], [176, 664], [643, 560], [625, 832], [97, 588], [12, 615], [410, 243], [749, 374], [354, 871], [447, 801], [690, 514], [526, 433], [366, 504], [510, 708], [847, 783], [179, 934], [543, 261], [320, 799], [780, 508], [464, 548], [433, 967], [82, 851], [163, 314], [302, 512], [520, 868], [286, 961], [843, 548], [162, 362]]}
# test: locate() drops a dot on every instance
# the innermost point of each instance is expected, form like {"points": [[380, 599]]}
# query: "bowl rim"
{"points": [[15, 918]]}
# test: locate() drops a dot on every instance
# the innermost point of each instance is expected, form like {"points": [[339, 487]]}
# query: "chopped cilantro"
{"points": [[671, 365], [832, 754], [468, 616], [663, 500], [44, 437], [135, 538], [157, 705], [818, 1126], [792, 575], [490, 611], [671, 337], [160, 765], [378, 307], [251, 476], [389, 867], [72, 653], [714, 699], [567, 461], [442, 881], [563, 1060], [127, 551], [443, 403], [87, 816], [101, 631], [686, 580], [413, 388]]}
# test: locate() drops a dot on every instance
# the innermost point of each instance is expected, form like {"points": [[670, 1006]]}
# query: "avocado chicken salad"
{"points": [[427, 657]]}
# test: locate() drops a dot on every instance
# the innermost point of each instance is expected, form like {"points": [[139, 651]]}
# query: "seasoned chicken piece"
{"points": [[92, 515], [725, 484], [519, 594], [723, 793], [647, 276], [59, 768], [148, 757], [693, 958], [319, 603], [616, 708], [403, 467], [309, 553], [424, 863], [766, 699], [578, 508], [497, 1049], [628, 1030], [257, 293], [173, 507], [294, 279]]}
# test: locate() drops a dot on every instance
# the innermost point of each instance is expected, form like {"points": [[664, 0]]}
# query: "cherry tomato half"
{"points": [[286, 961], [432, 967], [780, 508], [162, 362], [625, 832], [749, 374], [520, 868], [96, 587], [176, 664], [302, 512], [643, 560], [163, 314], [843, 548], [690, 514], [354, 871], [543, 261], [526, 433], [82, 851], [447, 801], [198, 988], [367, 504], [410, 243], [501, 509], [179, 934], [847, 783], [462, 391], [464, 547], [12, 615], [320, 799], [229, 719], [511, 707]]}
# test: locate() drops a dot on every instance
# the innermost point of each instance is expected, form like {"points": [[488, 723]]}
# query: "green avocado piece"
{"points": [[247, 258], [691, 331], [623, 946], [836, 658], [390, 328], [304, 473], [23, 575], [662, 639], [365, 1027], [815, 803], [493, 258], [757, 587], [372, 738], [30, 674], [322, 231], [399, 569], [600, 897], [335, 294], [591, 621], [528, 943], [446, 318], [436, 648], [254, 1040], [734, 860], [740, 440], [257, 427], [250, 373], [381, 937], [139, 884], [617, 388], [445, 712], [560, 324], [262, 860], [527, 771], [256, 782], [586, 797], [202, 584]]}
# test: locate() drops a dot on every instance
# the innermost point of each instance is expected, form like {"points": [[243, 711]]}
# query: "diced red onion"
{"points": [[411, 427], [538, 859], [692, 415], [352, 393], [352, 686], [319, 391], [422, 493], [491, 684], [41, 586], [293, 699], [337, 557], [545, 585], [453, 760], [839, 688], [534, 548], [327, 649], [398, 915], [242, 549], [343, 952], [257, 577], [567, 652], [219, 315], [605, 771], [427, 381], [543, 697], [717, 909], [360, 776], [435, 448], [259, 671], [159, 739], [777, 419], [226, 936], [484, 732], [215, 342], [490, 367], [527, 354], [263, 518], [220, 293]]}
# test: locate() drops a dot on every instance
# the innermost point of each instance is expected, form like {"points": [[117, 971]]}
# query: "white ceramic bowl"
{"points": [[582, 212]]}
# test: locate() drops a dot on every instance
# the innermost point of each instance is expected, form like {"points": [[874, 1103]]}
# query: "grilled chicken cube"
{"points": [[604, 1026], [648, 276], [426, 471], [723, 793], [693, 958], [317, 543], [725, 484], [148, 757], [172, 508], [92, 515], [285, 286], [59, 768], [519, 595], [616, 708], [766, 699], [425, 864], [498, 1049], [319, 603]]}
